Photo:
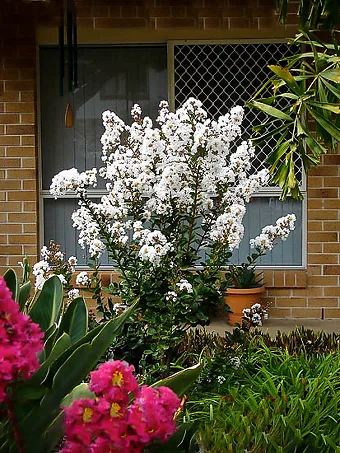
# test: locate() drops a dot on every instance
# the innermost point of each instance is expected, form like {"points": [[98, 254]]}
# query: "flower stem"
{"points": [[13, 420]]}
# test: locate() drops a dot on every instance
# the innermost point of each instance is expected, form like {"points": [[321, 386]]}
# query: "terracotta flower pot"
{"points": [[238, 299]]}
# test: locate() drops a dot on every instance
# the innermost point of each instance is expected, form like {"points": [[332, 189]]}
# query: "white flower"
{"points": [[82, 279], [235, 362], [72, 261], [221, 379], [44, 253], [184, 285], [62, 279], [73, 294]]}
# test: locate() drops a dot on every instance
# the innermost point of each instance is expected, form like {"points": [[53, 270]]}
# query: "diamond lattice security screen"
{"points": [[224, 75]]}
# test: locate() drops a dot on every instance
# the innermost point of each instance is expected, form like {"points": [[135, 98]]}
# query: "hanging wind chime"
{"points": [[68, 52]]}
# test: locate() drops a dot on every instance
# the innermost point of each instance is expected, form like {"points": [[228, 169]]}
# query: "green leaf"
{"points": [[276, 155], [75, 319], [331, 88], [181, 381], [12, 283], [46, 309], [335, 108], [269, 110], [331, 74], [24, 293], [287, 76], [327, 125]]}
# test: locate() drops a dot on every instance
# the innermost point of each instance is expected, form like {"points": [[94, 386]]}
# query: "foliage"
{"points": [[272, 401], [306, 89], [31, 413], [313, 13]]}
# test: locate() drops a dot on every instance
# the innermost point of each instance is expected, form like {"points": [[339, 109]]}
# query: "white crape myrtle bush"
{"points": [[173, 191]]}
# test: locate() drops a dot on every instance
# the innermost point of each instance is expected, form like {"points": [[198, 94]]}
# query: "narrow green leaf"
{"points": [[24, 293], [335, 108], [269, 110], [328, 126], [331, 88], [276, 155], [46, 309], [331, 74], [12, 283], [287, 76], [270, 134], [181, 381]]}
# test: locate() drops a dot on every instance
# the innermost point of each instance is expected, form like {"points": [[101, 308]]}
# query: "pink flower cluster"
{"points": [[113, 422], [20, 341]]}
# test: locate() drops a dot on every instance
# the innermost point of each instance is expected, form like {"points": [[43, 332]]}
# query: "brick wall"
{"points": [[305, 293]]}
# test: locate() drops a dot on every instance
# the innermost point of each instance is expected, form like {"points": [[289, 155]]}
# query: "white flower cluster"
{"points": [[235, 362], [189, 168], [40, 270], [82, 279], [271, 233], [255, 314], [184, 285], [72, 294], [71, 180], [154, 246]]}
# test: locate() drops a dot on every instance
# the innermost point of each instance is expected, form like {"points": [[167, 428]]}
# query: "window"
{"points": [[220, 75]]}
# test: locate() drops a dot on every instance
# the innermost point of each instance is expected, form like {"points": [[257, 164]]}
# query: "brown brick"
{"points": [[284, 292], [129, 11], [21, 174], [280, 313], [332, 204], [314, 226], [293, 302], [120, 23], [335, 291], [20, 151], [160, 11], [20, 107], [9, 96], [19, 85], [267, 22], [13, 206], [268, 277], [27, 96], [321, 170], [84, 11], [321, 258], [332, 159], [322, 302], [331, 270], [315, 292], [9, 140], [279, 281], [17, 63], [10, 250], [21, 195], [21, 130], [330, 313], [9, 74], [9, 118], [322, 280], [28, 140], [10, 163], [30, 184], [234, 11], [175, 23], [23, 217], [331, 181], [322, 237], [10, 228], [306, 313], [8, 184], [314, 248], [29, 228], [314, 204], [315, 181], [289, 279], [2, 107], [301, 279], [30, 206], [331, 248], [22, 239], [212, 22], [331, 226], [239, 22], [27, 118], [323, 193]]}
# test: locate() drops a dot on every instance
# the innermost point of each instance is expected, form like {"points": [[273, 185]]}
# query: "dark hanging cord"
{"points": [[61, 50], [75, 48], [69, 33]]}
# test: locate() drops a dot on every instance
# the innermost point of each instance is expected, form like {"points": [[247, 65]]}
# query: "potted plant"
{"points": [[243, 284]]}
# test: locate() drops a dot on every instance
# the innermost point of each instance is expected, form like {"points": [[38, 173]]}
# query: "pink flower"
{"points": [[114, 380], [20, 341]]}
